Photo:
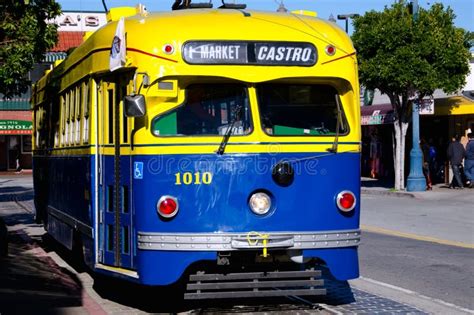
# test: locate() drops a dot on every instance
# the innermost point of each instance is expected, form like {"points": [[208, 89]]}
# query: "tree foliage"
{"points": [[404, 57], [25, 36], [400, 56]]}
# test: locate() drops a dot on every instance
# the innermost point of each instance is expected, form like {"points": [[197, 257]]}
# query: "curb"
{"points": [[366, 191]]}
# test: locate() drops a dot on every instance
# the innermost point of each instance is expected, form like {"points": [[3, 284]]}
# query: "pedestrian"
{"points": [[375, 153], [469, 161], [18, 159], [425, 148], [456, 154], [433, 160]]}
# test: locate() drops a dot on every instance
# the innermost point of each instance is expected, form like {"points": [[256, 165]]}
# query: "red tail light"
{"points": [[346, 201], [167, 206]]}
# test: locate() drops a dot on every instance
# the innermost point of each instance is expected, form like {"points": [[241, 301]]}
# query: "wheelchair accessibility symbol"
{"points": [[138, 170]]}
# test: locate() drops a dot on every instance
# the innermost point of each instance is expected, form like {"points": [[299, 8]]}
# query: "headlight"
{"points": [[260, 203]]}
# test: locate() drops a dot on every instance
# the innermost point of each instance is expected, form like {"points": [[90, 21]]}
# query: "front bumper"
{"points": [[247, 241]]}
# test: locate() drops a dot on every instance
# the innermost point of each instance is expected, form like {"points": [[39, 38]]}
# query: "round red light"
{"points": [[167, 207], [169, 49], [347, 201], [330, 50]]}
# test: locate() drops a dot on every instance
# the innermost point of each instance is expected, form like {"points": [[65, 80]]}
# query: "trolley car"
{"points": [[223, 150]]}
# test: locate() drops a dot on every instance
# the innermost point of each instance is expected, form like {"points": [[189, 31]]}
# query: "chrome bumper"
{"points": [[247, 241]]}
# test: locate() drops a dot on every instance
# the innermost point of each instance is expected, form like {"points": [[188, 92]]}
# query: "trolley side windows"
{"points": [[208, 110], [77, 115], [300, 110], [85, 112], [70, 117]]}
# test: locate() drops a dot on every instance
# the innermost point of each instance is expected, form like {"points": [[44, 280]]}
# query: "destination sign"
{"points": [[250, 53]]}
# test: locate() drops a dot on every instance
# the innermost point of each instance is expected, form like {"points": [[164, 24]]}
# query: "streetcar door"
{"points": [[115, 214]]}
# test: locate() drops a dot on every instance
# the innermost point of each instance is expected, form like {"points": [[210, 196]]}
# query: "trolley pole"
{"points": [[416, 180]]}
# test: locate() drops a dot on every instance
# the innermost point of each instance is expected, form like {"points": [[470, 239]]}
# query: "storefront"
{"points": [[15, 140], [452, 115], [377, 149]]}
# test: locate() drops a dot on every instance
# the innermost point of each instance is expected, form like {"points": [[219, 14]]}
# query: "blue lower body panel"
{"points": [[220, 205]]}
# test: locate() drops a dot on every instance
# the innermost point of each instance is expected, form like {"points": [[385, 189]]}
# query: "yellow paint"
{"points": [[305, 12], [115, 14], [89, 63], [455, 105], [379, 230]]}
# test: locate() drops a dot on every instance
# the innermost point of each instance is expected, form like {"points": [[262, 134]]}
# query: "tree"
{"points": [[407, 59], [25, 36]]}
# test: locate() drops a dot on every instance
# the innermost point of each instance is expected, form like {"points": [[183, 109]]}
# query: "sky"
{"points": [[464, 9]]}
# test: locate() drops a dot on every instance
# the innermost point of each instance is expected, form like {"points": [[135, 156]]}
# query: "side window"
{"points": [[85, 113], [77, 116], [209, 109]]}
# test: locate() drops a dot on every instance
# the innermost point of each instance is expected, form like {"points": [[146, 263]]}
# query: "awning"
{"points": [[15, 123], [53, 56], [377, 114], [454, 105], [19, 103]]}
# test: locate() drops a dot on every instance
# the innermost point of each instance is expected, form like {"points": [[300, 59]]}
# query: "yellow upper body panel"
{"points": [[146, 37]]}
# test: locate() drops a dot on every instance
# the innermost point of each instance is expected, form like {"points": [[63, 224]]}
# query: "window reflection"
{"points": [[299, 109], [208, 110]]}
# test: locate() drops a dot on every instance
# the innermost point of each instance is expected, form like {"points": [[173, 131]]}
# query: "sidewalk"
{"points": [[371, 186], [14, 173], [30, 281]]}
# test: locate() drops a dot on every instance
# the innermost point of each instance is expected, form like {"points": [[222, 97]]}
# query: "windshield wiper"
{"points": [[237, 114], [338, 126]]}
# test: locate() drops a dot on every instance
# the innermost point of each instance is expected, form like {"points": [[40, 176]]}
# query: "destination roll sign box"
{"points": [[250, 53]]}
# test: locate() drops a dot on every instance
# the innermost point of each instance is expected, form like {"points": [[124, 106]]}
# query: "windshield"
{"points": [[207, 110], [299, 109]]}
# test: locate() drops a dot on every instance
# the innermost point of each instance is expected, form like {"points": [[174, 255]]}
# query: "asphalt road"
{"points": [[439, 271]]}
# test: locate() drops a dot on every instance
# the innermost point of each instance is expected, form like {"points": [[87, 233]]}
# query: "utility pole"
{"points": [[416, 180]]}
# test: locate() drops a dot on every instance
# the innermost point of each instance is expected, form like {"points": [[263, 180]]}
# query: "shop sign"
{"points": [[378, 118], [426, 106], [80, 22], [15, 127]]}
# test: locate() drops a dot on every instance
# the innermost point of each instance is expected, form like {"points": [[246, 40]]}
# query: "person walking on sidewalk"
{"points": [[469, 161], [456, 154]]}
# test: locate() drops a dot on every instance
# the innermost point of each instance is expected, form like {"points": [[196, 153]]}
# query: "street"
{"points": [[416, 257]]}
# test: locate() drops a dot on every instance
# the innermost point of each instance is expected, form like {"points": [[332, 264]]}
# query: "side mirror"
{"points": [[134, 105]]}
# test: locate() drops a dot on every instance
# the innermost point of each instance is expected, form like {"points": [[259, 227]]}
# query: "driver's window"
{"points": [[209, 109]]}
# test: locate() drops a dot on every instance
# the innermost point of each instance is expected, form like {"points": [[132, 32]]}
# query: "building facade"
{"points": [[15, 114]]}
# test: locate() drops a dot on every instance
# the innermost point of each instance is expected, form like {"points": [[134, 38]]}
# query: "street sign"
{"points": [[426, 106]]}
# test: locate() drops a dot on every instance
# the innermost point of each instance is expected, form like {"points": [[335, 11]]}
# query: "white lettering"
{"points": [[262, 53], [289, 51], [297, 54], [271, 54], [306, 55], [280, 53], [205, 51], [237, 48], [224, 52], [212, 52]]}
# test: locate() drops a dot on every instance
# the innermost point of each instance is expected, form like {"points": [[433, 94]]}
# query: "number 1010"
{"points": [[197, 178]]}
